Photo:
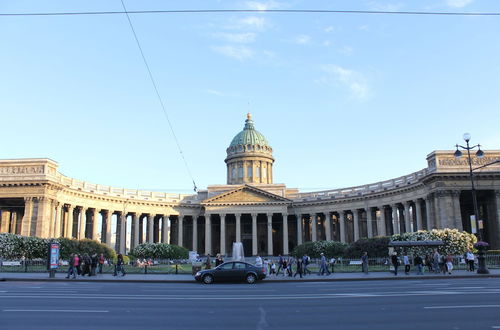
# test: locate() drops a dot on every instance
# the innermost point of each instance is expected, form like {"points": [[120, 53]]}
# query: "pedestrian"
{"points": [[428, 262], [395, 263], [258, 262], [285, 265], [101, 262], [305, 263], [73, 263], [79, 265], [419, 264], [332, 264], [364, 262], [289, 266], [218, 260], [280, 264], [406, 262], [435, 261], [87, 261], [442, 264], [449, 263], [469, 257], [272, 268], [322, 265], [299, 268], [93, 264], [208, 262], [119, 265]]}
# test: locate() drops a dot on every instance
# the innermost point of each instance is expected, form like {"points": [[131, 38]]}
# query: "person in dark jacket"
{"points": [[87, 261], [93, 264], [395, 263], [119, 265], [299, 268]]}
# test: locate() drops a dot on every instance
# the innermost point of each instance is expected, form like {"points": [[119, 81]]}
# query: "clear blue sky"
{"points": [[343, 99]]}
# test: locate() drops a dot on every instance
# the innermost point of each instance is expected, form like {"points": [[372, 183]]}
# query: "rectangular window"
{"points": [[240, 172], [249, 172]]}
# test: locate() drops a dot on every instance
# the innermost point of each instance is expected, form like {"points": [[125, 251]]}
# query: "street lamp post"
{"points": [[479, 225]]}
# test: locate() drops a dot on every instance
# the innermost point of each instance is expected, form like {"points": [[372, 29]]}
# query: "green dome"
{"points": [[249, 136]]}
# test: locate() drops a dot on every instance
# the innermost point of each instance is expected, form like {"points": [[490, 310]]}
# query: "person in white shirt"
{"points": [[470, 260], [258, 261], [406, 262]]}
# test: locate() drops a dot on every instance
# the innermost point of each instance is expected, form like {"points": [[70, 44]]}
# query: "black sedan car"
{"points": [[231, 272]]}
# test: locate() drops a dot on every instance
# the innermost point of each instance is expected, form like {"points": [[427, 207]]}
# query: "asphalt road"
{"points": [[412, 304]]}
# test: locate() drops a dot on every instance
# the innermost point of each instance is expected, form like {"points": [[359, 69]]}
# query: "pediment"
{"points": [[246, 195]]}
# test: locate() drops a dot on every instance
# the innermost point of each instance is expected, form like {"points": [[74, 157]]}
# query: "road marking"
{"points": [[462, 306], [57, 310]]}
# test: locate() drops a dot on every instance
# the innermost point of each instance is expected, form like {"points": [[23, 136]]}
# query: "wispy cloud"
{"points": [[346, 50], [261, 5], [246, 38], [240, 53], [376, 5], [302, 39], [214, 92], [458, 3], [329, 29], [354, 81], [252, 22]]}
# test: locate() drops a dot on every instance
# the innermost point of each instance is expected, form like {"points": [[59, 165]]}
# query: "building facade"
{"points": [[268, 218]]}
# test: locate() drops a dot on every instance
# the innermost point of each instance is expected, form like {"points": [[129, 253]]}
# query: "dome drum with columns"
{"points": [[268, 218], [249, 157]]}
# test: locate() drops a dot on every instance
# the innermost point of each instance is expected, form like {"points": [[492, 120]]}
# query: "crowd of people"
{"points": [[91, 265]]}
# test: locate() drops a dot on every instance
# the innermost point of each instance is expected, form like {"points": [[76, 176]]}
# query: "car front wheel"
{"points": [[251, 278], [208, 279]]}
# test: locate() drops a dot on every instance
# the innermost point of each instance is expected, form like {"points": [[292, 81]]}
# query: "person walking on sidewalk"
{"points": [[305, 262], [86, 265], [395, 263], [299, 268], [332, 264], [101, 262], [406, 262], [419, 264], [73, 263], [119, 265], [449, 263], [93, 264], [280, 264], [364, 262], [470, 260], [323, 269], [435, 261]]}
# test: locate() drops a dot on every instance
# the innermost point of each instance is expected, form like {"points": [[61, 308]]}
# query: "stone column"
{"points": [[69, 221], [418, 213], [245, 177], [164, 229], [381, 222], [457, 213], [195, 233], [328, 226], [59, 216], [82, 223], [497, 222], [285, 233], [28, 214], [270, 234], [135, 225], [299, 228], [208, 234], [123, 232], [314, 226], [150, 233], [369, 222], [355, 218], [52, 223], [254, 234], [428, 212], [238, 227], [180, 230], [43, 217], [95, 224], [395, 219], [343, 237], [109, 217], [407, 217], [222, 234], [4, 220]]}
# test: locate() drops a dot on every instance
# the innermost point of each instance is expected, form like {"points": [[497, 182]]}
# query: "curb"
{"points": [[14, 279]]}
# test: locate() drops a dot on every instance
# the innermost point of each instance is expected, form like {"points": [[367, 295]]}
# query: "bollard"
{"points": [[145, 269], [176, 269]]}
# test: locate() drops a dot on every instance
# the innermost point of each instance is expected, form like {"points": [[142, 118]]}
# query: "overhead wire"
{"points": [[291, 11], [155, 86]]}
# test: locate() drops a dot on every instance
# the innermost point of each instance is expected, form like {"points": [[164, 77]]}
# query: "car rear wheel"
{"points": [[251, 279], [208, 279]]}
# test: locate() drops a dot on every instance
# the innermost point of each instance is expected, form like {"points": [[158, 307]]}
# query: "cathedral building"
{"points": [[267, 217]]}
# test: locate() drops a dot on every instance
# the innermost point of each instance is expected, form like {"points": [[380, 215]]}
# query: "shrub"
{"points": [[159, 251], [455, 242], [314, 249], [376, 247]]}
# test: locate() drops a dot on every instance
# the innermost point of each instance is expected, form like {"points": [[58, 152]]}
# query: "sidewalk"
{"points": [[172, 278]]}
